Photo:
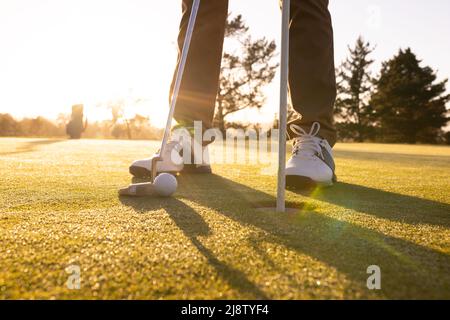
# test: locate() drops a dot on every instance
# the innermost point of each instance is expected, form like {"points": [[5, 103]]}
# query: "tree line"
{"points": [[403, 103], [137, 127]]}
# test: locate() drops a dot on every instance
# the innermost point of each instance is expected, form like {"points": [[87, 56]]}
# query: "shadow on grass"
{"points": [[384, 204], [392, 157], [31, 146], [408, 270], [193, 225]]}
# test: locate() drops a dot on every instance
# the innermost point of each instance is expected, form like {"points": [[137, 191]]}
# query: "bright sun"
{"points": [[56, 53], [91, 53]]}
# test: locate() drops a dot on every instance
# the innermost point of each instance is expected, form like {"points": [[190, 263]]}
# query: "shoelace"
{"points": [[306, 144]]}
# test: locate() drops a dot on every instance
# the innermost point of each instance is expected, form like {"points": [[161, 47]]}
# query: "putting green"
{"points": [[59, 207]]}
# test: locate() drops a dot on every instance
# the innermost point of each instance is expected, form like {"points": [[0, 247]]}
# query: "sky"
{"points": [[56, 53]]}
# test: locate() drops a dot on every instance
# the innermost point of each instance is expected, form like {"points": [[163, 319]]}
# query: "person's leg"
{"points": [[311, 66], [199, 85], [200, 81], [313, 91]]}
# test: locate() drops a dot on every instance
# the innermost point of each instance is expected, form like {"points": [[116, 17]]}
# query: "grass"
{"points": [[59, 207]]}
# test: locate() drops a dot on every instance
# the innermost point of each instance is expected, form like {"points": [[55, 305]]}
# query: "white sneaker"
{"points": [[172, 162], [312, 161]]}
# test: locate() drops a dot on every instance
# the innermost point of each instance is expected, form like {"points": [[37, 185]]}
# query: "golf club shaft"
{"points": [[180, 71], [284, 78]]}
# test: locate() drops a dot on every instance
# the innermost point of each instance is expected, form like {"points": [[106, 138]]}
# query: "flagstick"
{"points": [[281, 201]]}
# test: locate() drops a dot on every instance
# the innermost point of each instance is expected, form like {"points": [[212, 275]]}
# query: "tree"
{"points": [[8, 126], [118, 113], [354, 86], [244, 72], [75, 127], [40, 127], [447, 138], [124, 123], [409, 105]]}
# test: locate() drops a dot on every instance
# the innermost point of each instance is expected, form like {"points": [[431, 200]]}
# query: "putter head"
{"points": [[138, 190], [142, 189], [154, 164]]}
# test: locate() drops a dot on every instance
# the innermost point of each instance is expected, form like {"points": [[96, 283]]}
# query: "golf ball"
{"points": [[165, 184]]}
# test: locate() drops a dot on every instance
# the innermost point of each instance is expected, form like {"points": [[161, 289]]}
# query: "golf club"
{"points": [[284, 78], [143, 189], [177, 85]]}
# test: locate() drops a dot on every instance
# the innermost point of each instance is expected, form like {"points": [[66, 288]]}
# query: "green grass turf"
{"points": [[59, 206]]}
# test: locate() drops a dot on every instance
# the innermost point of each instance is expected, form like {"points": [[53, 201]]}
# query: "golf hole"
{"points": [[270, 207], [274, 209]]}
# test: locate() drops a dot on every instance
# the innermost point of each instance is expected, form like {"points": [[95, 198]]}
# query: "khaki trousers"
{"points": [[311, 64]]}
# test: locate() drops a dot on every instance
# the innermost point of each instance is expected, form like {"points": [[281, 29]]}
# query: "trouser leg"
{"points": [[200, 82], [312, 79]]}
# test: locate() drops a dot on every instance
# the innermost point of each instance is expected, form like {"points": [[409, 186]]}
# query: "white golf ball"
{"points": [[165, 184]]}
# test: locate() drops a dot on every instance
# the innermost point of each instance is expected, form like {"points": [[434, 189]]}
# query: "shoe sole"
{"points": [[140, 172], [295, 183]]}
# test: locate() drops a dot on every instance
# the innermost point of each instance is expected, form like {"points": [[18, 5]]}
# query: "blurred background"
{"points": [[102, 69]]}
